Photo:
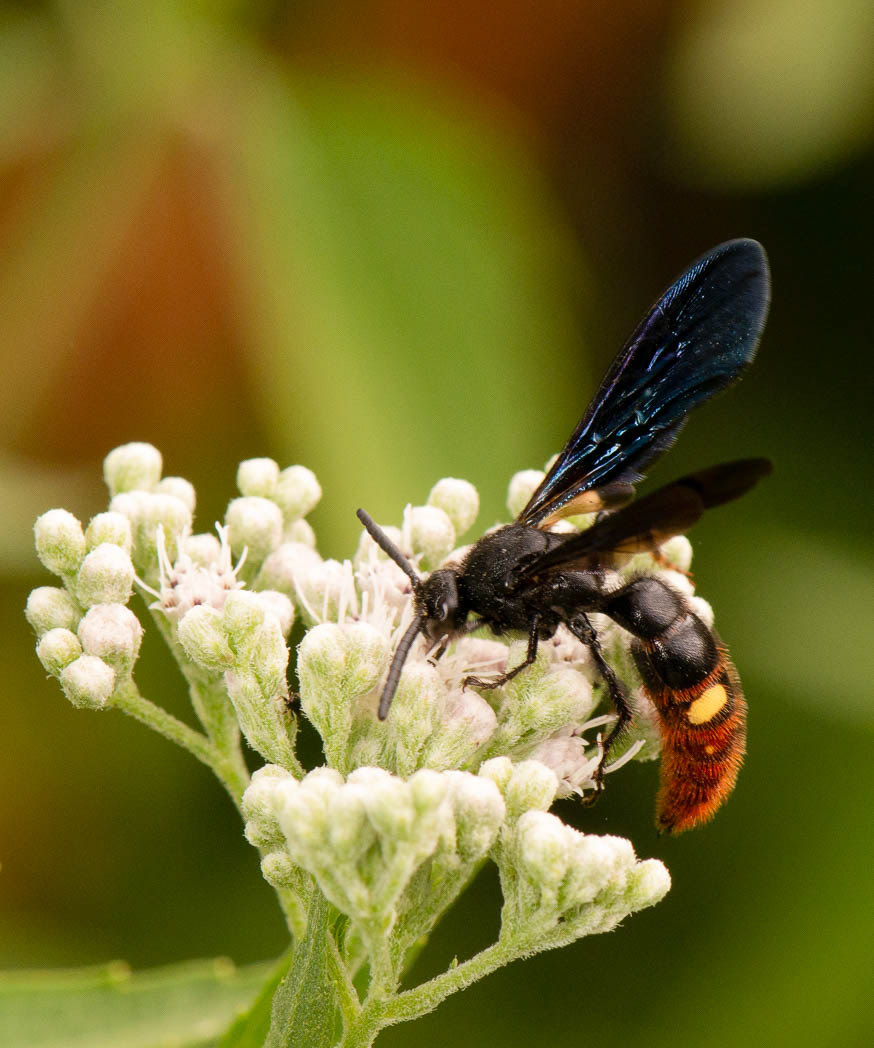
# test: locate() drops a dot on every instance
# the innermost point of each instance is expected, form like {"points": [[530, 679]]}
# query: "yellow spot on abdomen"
{"points": [[706, 706]]}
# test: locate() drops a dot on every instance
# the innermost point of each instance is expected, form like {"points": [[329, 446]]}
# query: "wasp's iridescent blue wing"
{"points": [[694, 342]]}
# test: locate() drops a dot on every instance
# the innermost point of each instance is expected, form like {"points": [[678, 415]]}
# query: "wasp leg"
{"points": [[498, 682], [583, 630]]}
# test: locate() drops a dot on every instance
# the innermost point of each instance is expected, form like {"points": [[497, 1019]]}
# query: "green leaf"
{"points": [[250, 1030], [180, 1006], [305, 1005]]}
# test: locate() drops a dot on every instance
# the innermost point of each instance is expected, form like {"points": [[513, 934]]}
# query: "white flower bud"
{"points": [[458, 499], [267, 653], [431, 534], [50, 607], [109, 527], [147, 512], [258, 476], [179, 488], [279, 606], [479, 813], [522, 487], [57, 648], [60, 541], [292, 560], [467, 722], [299, 531], [113, 633], [88, 682], [202, 634], [649, 883], [597, 863], [261, 800], [105, 577], [677, 551], [703, 610], [132, 467], [254, 524], [544, 849], [297, 492], [204, 549], [677, 581]]}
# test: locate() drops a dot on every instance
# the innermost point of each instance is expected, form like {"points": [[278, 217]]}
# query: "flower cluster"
{"points": [[404, 811]]}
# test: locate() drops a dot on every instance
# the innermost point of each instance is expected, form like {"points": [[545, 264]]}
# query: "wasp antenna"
{"points": [[397, 664], [387, 546]]}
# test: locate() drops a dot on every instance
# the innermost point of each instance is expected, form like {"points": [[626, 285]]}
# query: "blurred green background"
{"points": [[398, 241]]}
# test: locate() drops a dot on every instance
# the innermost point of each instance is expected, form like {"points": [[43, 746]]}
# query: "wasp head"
{"points": [[437, 602]]}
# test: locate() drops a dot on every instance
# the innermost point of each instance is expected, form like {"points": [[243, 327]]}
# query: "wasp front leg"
{"points": [[498, 682]]}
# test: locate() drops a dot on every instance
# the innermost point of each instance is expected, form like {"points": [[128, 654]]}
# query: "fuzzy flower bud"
{"points": [[105, 577], [254, 524], [113, 528], [88, 682], [260, 805], [178, 488], [151, 513], [297, 492], [458, 499], [431, 534], [285, 564], [300, 531], [242, 614], [113, 633], [57, 648], [522, 487], [50, 607], [677, 551], [525, 786], [204, 550], [60, 541], [258, 477], [479, 813], [337, 664], [132, 467], [202, 634], [279, 606]]}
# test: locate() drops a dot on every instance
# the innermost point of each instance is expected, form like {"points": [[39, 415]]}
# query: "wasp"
{"points": [[696, 340]]}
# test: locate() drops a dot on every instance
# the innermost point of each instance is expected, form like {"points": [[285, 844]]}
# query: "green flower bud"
{"points": [[648, 883], [132, 467], [258, 476], [242, 614], [202, 634], [113, 528], [522, 487], [178, 488], [254, 524], [50, 607], [431, 534], [297, 492], [458, 499], [57, 648], [88, 682], [279, 870], [525, 786], [114, 634], [261, 801], [105, 577], [60, 542]]}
